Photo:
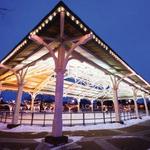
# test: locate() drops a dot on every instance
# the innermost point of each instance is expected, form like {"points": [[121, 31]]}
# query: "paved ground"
{"points": [[136, 137]]}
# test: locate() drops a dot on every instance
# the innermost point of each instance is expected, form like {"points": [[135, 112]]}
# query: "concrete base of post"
{"points": [[56, 140], [121, 122], [10, 126]]}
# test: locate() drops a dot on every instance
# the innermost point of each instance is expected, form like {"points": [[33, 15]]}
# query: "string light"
{"points": [[85, 29], [39, 27], [77, 21], [50, 17], [91, 33], [46, 21], [67, 13], [37, 30], [59, 9], [81, 26], [72, 18], [54, 14], [62, 9], [94, 36], [43, 24]]}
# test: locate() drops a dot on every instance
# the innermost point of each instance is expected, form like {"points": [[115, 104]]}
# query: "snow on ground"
{"points": [[35, 128]]}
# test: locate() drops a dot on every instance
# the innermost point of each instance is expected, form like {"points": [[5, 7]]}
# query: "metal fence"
{"points": [[69, 119]]}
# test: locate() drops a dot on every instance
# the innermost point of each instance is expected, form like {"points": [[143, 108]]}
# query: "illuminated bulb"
{"points": [[81, 26], [34, 33], [94, 37], [54, 14], [46, 21], [43, 24], [67, 13], [39, 27], [106, 48], [72, 18], [25, 41], [59, 9], [37, 30], [62, 9], [99, 42], [85, 29], [50, 17], [91, 33], [77, 22]]}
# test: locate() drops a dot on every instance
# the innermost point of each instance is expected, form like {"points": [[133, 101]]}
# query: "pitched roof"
{"points": [[95, 52]]}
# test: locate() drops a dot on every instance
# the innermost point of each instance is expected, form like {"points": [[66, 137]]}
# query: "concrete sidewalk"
{"points": [[136, 137]]}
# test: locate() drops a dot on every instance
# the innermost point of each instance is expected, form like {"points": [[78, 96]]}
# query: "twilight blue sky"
{"points": [[123, 24]]}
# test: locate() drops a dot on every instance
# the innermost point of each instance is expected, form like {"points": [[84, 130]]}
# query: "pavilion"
{"points": [[62, 56]]}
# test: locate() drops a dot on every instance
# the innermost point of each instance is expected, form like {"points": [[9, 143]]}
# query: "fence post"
{"points": [[83, 118], [1, 116], [5, 117], [32, 116], [124, 115], [21, 117], [94, 118], [104, 117], [127, 115], [110, 116], [44, 118], [70, 119], [130, 115]]}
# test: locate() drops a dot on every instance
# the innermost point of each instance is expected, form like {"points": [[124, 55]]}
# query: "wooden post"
{"points": [[135, 102], [20, 81], [61, 61], [115, 85], [92, 105], [57, 122], [20, 76], [145, 104], [116, 105], [33, 95], [17, 104], [102, 105], [78, 105]]}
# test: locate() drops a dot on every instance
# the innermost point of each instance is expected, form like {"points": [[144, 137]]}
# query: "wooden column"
{"points": [[61, 61], [145, 104], [20, 80], [116, 104], [20, 76], [92, 105], [17, 104], [135, 102], [33, 95], [78, 105]]}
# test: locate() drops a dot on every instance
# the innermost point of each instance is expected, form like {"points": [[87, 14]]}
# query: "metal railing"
{"points": [[69, 119]]}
